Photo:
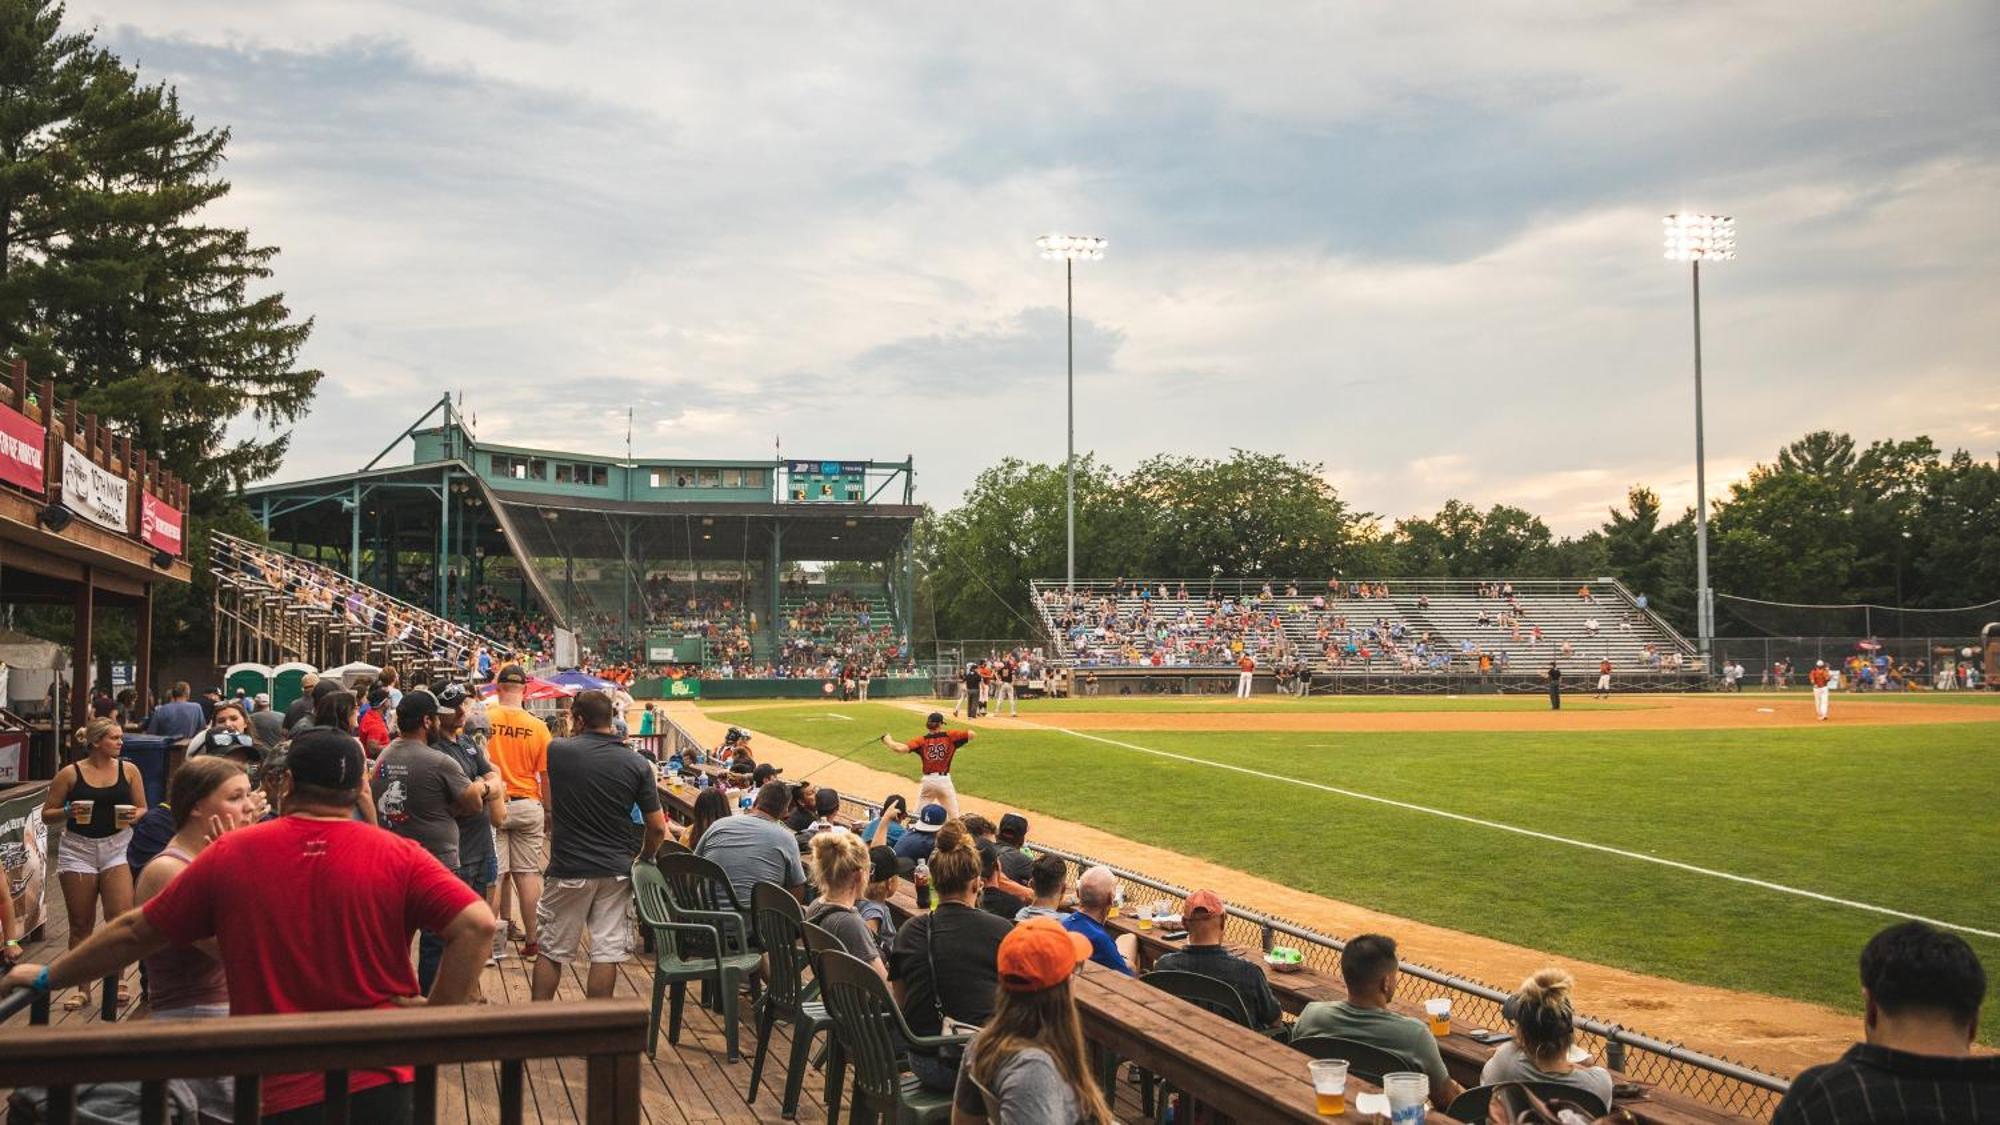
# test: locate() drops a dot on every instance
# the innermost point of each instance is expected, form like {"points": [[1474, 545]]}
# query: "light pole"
{"points": [[1071, 248], [1694, 239]]}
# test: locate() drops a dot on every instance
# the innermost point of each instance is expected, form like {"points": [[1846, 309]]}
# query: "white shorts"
{"points": [[520, 843], [602, 908], [91, 855]]}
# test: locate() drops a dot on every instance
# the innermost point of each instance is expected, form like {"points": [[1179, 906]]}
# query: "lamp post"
{"points": [[1694, 239], [1070, 248]]}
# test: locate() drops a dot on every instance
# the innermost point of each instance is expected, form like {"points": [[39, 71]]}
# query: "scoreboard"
{"points": [[844, 482]]}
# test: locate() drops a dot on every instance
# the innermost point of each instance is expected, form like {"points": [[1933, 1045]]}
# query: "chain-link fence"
{"points": [[1931, 662]]}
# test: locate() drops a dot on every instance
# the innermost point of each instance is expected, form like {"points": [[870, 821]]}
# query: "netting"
{"points": [[1745, 617]]}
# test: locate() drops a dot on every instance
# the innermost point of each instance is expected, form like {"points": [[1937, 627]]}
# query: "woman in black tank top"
{"points": [[88, 797]]}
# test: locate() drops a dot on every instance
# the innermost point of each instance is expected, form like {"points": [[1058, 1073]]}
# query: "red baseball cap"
{"points": [[1204, 902], [1039, 954]]}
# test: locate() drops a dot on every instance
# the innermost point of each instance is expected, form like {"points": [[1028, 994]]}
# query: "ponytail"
{"points": [[954, 862]]}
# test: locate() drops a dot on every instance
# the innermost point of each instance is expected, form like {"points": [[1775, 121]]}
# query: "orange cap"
{"points": [[1039, 954], [1204, 902]]}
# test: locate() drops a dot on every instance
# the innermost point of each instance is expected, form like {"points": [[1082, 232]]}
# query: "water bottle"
{"points": [[923, 879]]}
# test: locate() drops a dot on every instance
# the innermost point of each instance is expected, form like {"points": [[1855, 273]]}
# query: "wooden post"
{"points": [[80, 655], [142, 657]]}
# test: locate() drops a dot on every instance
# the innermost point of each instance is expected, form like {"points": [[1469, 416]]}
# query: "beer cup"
{"points": [[82, 812], [125, 814], [1329, 1078], [1439, 1010]]}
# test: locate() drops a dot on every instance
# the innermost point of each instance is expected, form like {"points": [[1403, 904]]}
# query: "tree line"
{"points": [[1897, 523]]}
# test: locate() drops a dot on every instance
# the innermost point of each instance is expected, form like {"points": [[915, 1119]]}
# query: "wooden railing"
{"points": [[608, 1034], [65, 424]]}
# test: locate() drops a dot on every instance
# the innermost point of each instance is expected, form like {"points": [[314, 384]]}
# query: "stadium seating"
{"points": [[1402, 626]]}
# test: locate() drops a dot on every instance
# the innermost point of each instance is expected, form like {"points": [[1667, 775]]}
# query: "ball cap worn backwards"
{"points": [[1039, 954], [1204, 902]]}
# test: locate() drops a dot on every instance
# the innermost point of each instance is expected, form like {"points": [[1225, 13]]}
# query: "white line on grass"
{"points": [[1494, 824], [841, 717]]}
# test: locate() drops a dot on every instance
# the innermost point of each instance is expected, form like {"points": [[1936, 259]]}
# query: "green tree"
{"points": [[1651, 558]]}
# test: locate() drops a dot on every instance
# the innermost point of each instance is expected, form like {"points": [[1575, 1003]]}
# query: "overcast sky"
{"points": [[1418, 243]]}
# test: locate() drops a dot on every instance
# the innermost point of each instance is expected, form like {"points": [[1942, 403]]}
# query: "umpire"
{"points": [[1555, 686]]}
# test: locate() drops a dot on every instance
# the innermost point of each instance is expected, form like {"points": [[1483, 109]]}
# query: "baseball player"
{"points": [[1246, 675], [1822, 682], [935, 748], [1604, 678]]}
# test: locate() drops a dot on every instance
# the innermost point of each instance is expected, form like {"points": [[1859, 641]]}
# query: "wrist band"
{"points": [[41, 981]]}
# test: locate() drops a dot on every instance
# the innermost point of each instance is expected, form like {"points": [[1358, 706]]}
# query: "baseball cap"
{"points": [[765, 772], [1013, 827], [327, 687], [933, 818], [1204, 902], [826, 802], [264, 699], [414, 708], [1820, 663], [512, 674], [451, 697], [936, 719], [886, 864], [1039, 954], [327, 758]]}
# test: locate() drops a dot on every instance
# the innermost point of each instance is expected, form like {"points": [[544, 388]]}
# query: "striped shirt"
{"points": [[1881, 1086]]}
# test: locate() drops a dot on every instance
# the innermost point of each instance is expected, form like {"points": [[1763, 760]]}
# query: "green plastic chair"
{"points": [[699, 891], [819, 942], [866, 1022], [786, 998], [1473, 1105], [1364, 1061], [684, 950]]}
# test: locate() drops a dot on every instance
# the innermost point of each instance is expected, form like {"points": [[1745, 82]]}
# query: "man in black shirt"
{"points": [[1922, 989], [1204, 917], [1012, 837], [478, 864], [301, 708], [1555, 677], [596, 782]]}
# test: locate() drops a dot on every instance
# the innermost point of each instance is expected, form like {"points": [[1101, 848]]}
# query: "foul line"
{"points": [[1494, 824]]}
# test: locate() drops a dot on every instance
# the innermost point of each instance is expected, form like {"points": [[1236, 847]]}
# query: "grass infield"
{"points": [[1899, 817]]}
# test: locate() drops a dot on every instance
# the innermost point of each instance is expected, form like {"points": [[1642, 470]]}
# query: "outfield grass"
{"points": [[1209, 704], [1897, 817]]}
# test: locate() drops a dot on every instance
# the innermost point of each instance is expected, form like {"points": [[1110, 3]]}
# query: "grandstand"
{"points": [[1414, 628]]}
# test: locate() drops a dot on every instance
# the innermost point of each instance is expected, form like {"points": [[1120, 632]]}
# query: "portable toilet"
{"points": [[285, 683], [250, 679]]}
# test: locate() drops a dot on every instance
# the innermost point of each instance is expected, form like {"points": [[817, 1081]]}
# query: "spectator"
{"points": [[329, 928], [229, 718], [757, 848], [918, 843], [1921, 990], [301, 708], [1030, 1055], [886, 826], [372, 724], [710, 806], [420, 792], [478, 862], [519, 746], [179, 718], [1012, 837], [992, 898], [983, 838], [265, 724], [1096, 890], [945, 961], [841, 870], [885, 867], [97, 798], [594, 780], [1544, 1031], [1049, 877], [1204, 917], [805, 806], [1369, 967], [211, 796]]}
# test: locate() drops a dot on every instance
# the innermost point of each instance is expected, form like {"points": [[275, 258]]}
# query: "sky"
{"points": [[1418, 244]]}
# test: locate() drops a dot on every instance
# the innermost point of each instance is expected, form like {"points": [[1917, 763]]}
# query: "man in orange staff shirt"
{"points": [[519, 749], [1822, 688]]}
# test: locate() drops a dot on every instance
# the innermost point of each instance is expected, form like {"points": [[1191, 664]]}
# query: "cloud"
{"points": [[1417, 244]]}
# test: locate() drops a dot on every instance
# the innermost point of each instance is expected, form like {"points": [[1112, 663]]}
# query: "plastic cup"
{"points": [[126, 814], [1409, 1094], [1146, 910], [1438, 1008], [82, 811], [1329, 1078]]}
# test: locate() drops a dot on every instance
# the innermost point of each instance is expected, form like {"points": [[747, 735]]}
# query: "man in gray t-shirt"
{"points": [[420, 791], [1369, 967], [756, 847]]}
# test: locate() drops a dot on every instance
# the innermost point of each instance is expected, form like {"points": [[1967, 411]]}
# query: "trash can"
{"points": [[153, 755]]}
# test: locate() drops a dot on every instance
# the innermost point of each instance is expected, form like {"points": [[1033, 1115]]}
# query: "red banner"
{"points": [[21, 450], [159, 524]]}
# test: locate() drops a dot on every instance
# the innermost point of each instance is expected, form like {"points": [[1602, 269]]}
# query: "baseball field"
{"points": [[1729, 840]]}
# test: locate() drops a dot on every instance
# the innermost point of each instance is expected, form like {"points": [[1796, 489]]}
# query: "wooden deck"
{"points": [[692, 1084]]}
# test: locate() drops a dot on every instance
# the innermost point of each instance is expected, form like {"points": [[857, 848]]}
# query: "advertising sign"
{"points": [[159, 524], [683, 689], [24, 849], [21, 445], [94, 492]]}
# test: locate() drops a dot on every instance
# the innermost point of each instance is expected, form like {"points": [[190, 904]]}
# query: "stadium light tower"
{"points": [[1695, 239], [1071, 248]]}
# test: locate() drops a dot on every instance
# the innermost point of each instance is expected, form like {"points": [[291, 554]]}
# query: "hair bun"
{"points": [[953, 836]]}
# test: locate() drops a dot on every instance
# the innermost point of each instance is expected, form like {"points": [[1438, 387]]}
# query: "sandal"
{"points": [[76, 1001]]}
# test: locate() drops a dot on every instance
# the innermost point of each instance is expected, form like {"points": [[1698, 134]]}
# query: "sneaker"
{"points": [[531, 950]]}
